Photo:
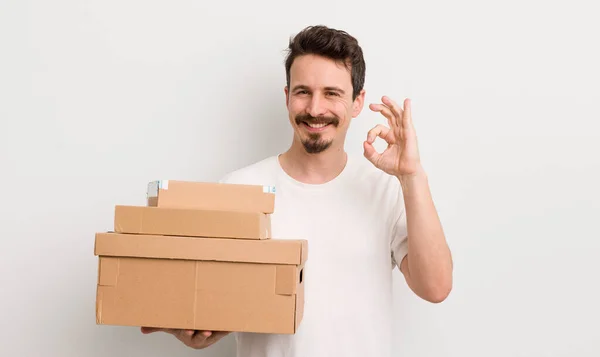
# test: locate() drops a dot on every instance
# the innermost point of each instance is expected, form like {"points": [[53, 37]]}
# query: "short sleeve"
{"points": [[399, 241]]}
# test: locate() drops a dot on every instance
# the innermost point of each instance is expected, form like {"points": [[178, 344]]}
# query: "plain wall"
{"points": [[99, 97]]}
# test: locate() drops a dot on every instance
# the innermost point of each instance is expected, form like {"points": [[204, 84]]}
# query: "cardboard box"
{"points": [[192, 222], [211, 196], [200, 283]]}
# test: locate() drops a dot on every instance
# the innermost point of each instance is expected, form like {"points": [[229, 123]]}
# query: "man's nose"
{"points": [[316, 107]]}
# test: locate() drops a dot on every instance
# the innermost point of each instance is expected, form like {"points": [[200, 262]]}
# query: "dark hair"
{"points": [[331, 43]]}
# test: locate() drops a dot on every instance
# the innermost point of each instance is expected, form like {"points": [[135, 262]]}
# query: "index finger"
{"points": [[386, 112], [394, 107]]}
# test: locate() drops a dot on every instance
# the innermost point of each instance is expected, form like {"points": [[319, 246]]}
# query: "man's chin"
{"points": [[316, 147]]}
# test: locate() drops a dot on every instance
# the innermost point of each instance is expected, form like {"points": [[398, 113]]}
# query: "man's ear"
{"points": [[287, 95], [358, 104]]}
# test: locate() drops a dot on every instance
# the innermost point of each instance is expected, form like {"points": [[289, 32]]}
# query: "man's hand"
{"points": [[401, 158], [191, 338]]}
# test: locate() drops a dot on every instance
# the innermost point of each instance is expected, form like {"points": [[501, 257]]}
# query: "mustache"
{"points": [[316, 120]]}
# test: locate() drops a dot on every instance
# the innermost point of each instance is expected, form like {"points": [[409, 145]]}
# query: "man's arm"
{"points": [[427, 267]]}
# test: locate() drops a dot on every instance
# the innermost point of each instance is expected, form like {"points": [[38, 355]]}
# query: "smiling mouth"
{"points": [[315, 125]]}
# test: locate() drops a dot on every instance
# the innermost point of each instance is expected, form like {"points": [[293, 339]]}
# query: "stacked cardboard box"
{"points": [[200, 256]]}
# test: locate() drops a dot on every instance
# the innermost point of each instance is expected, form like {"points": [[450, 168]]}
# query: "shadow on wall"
{"points": [[264, 131]]}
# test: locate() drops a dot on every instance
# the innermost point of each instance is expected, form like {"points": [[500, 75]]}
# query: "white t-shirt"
{"points": [[356, 231]]}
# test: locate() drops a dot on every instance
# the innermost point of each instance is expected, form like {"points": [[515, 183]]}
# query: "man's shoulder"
{"points": [[261, 172]]}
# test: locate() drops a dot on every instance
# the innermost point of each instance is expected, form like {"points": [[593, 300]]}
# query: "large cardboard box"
{"points": [[200, 283], [211, 196], [192, 222]]}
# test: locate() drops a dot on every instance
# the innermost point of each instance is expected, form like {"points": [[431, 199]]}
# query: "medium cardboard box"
{"points": [[192, 222], [200, 283], [211, 196]]}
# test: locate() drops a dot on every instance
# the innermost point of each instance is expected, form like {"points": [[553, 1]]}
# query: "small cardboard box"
{"points": [[211, 196], [200, 283], [192, 222]]}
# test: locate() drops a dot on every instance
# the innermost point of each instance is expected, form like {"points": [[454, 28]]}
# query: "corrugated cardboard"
{"points": [[200, 283], [192, 222], [211, 196]]}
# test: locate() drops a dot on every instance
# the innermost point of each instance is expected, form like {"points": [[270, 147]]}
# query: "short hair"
{"points": [[330, 43]]}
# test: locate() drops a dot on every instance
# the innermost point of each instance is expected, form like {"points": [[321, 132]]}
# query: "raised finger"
{"points": [[396, 110], [386, 112], [407, 117]]}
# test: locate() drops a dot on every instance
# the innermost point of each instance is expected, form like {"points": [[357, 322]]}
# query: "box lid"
{"points": [[269, 251]]}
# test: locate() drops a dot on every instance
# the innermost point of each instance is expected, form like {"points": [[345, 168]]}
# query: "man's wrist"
{"points": [[411, 181]]}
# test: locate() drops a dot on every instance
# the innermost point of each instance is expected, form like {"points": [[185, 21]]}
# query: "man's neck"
{"points": [[313, 168]]}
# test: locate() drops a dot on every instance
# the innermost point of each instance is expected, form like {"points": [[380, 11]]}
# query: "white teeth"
{"points": [[316, 126]]}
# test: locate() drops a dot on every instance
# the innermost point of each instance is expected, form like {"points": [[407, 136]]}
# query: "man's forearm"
{"points": [[428, 265]]}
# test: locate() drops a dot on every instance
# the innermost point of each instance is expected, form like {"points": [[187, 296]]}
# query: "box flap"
{"points": [[270, 251]]}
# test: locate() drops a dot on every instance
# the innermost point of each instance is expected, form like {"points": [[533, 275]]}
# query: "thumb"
{"points": [[370, 153]]}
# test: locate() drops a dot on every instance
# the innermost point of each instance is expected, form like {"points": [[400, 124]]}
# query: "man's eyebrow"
{"points": [[332, 89], [300, 86], [335, 89]]}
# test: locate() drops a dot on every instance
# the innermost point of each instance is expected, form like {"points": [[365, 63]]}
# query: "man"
{"points": [[360, 216]]}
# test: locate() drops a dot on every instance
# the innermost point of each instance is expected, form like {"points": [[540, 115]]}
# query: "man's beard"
{"points": [[314, 144]]}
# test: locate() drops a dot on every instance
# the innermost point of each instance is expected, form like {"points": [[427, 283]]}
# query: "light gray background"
{"points": [[99, 97]]}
